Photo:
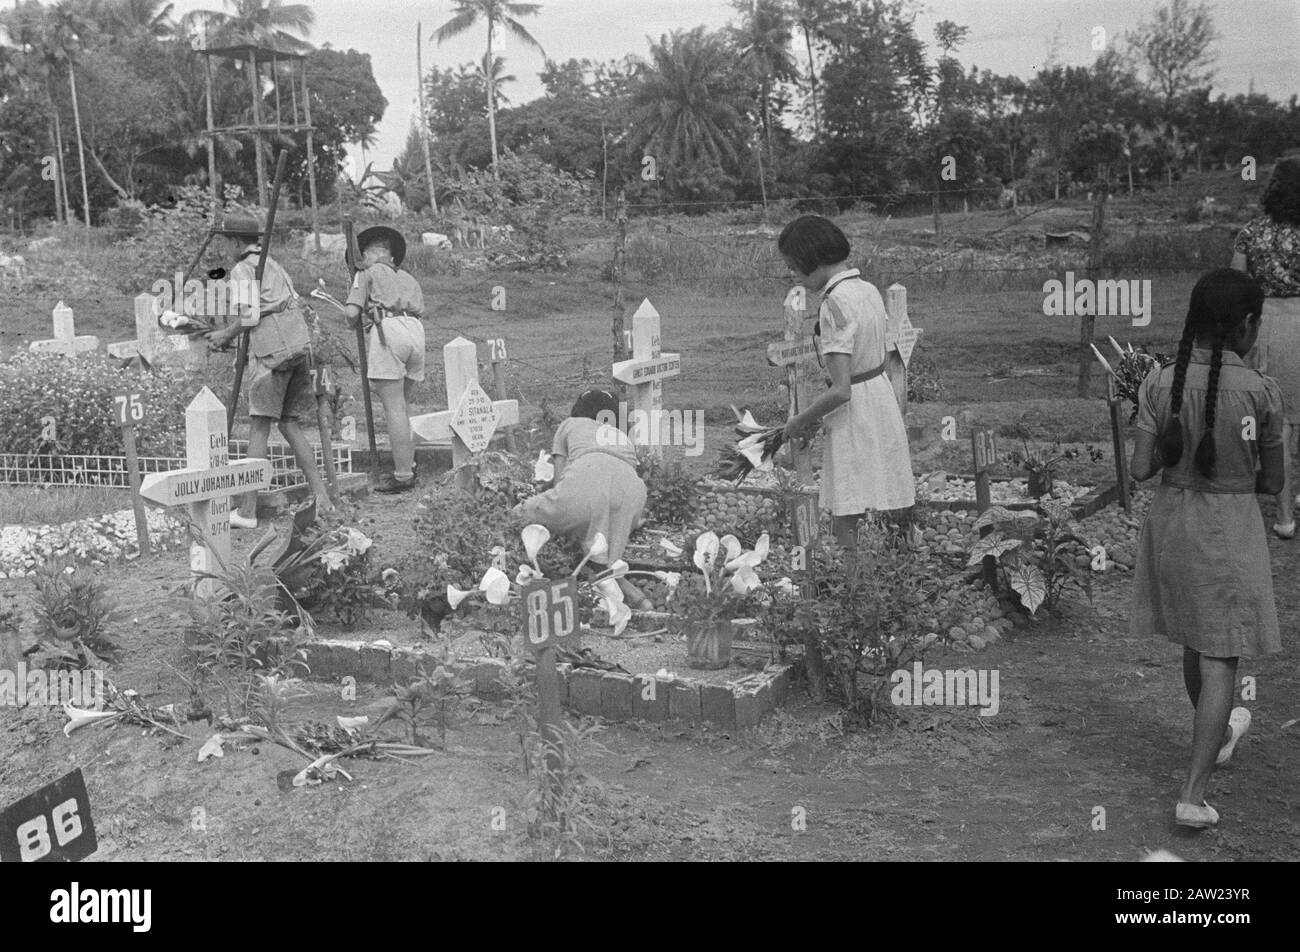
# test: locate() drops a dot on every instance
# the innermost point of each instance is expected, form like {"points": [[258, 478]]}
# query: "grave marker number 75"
{"points": [[130, 408]]}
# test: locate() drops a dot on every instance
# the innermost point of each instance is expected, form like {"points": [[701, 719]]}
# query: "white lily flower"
{"points": [[599, 546], [762, 546], [752, 440], [455, 596], [750, 558], [755, 456], [706, 550], [80, 717], [671, 579], [784, 586], [543, 469], [675, 551], [526, 574], [496, 586], [745, 580], [617, 609], [357, 542], [748, 422], [498, 554], [535, 536], [732, 545], [617, 569], [334, 559]]}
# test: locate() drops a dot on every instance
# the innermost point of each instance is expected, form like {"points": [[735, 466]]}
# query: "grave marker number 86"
{"points": [[34, 835]]}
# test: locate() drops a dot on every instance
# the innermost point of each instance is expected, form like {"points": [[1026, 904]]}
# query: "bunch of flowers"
{"points": [[755, 450], [727, 578], [1129, 371], [332, 571]]}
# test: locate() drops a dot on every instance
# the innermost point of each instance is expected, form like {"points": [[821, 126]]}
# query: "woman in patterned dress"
{"points": [[1268, 249]]}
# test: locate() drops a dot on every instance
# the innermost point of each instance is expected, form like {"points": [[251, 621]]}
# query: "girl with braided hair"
{"points": [[1203, 580]]}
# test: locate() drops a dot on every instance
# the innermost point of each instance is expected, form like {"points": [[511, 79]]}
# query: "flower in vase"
{"points": [[534, 536]]}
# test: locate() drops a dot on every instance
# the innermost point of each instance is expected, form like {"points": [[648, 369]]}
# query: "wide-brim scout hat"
{"points": [[239, 223], [396, 243]]}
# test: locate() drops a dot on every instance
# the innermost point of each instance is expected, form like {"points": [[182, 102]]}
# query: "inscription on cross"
{"points": [[797, 353], [206, 484], [473, 416], [900, 338], [645, 373], [152, 344], [65, 340]]}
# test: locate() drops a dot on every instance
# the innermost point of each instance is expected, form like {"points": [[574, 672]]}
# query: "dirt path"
{"points": [[1089, 718]]}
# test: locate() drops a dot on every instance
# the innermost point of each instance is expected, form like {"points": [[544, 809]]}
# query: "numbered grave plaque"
{"points": [[986, 450], [550, 613], [52, 825], [497, 348], [805, 521], [129, 405]]}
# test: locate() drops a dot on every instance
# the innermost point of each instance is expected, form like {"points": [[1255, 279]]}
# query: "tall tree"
{"points": [[809, 15], [66, 29], [1176, 47], [270, 23], [763, 43], [499, 15]]}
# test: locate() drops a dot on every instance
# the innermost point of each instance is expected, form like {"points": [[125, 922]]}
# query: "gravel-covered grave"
{"points": [[95, 540]]}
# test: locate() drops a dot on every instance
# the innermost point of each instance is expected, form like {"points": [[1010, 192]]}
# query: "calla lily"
{"points": [[750, 558], [498, 554], [496, 586], [534, 536], [617, 569], [671, 579], [747, 421], [357, 542], [675, 551], [334, 559], [617, 609], [599, 546], [543, 469], [732, 545], [527, 573], [706, 550], [755, 456], [784, 586], [455, 596], [80, 717], [762, 546], [745, 580]]}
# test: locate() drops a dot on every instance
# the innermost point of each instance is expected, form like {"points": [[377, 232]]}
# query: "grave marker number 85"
{"points": [[549, 612]]}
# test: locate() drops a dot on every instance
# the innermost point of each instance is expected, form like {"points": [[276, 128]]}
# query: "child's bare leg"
{"points": [[1192, 682], [1285, 499], [392, 394], [259, 435], [1218, 680], [302, 452]]}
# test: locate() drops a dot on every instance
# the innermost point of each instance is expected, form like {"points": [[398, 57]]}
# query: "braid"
{"points": [[1205, 453], [1171, 439]]}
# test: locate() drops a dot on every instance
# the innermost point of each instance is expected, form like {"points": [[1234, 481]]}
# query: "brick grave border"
{"points": [[612, 695]]}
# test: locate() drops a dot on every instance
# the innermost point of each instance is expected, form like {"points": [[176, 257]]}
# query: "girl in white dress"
{"points": [[866, 462]]}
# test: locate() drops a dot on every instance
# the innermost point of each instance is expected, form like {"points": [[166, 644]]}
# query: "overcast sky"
{"points": [[1260, 39]]}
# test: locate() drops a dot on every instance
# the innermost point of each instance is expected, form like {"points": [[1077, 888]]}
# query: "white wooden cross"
{"points": [[797, 353], [206, 484], [473, 416], [152, 343], [65, 340], [900, 337], [645, 373]]}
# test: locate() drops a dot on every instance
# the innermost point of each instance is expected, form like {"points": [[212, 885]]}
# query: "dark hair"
{"points": [[1221, 302], [1281, 198], [591, 403], [811, 241]]}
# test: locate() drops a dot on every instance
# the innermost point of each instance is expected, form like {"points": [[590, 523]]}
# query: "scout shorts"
{"points": [[403, 358], [282, 394]]}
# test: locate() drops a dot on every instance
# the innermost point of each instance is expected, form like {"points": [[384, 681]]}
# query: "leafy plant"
{"points": [[1039, 565], [722, 588], [71, 607], [560, 799], [671, 492], [440, 689]]}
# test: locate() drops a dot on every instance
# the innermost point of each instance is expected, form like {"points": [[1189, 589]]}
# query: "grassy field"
{"points": [[718, 284]]}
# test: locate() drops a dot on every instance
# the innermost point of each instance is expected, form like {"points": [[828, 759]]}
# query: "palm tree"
{"points": [[763, 41], [688, 105], [66, 29], [809, 15], [269, 23], [123, 19], [499, 14], [498, 79]]}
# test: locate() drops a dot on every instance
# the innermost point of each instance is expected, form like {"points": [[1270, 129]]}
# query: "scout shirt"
{"points": [[381, 285]]}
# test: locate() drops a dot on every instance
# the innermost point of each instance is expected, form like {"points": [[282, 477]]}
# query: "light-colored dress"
{"points": [[866, 462], [1203, 577], [599, 490]]}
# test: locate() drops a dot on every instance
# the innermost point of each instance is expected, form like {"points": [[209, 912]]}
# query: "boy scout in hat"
{"points": [[279, 343], [392, 306]]}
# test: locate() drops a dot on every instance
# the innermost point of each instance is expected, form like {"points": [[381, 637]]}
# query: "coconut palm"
{"points": [[498, 79], [67, 28], [809, 14], [500, 15], [268, 23], [129, 18], [688, 104], [763, 42]]}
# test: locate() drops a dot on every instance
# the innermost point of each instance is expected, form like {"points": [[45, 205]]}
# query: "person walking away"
{"points": [[1213, 428], [392, 305]]}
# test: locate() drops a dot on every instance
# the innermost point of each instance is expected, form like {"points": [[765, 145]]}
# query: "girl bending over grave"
{"points": [[866, 462], [596, 485], [1203, 580]]}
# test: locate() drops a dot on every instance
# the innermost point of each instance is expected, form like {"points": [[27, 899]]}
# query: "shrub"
{"points": [[670, 491], [78, 397], [166, 238]]}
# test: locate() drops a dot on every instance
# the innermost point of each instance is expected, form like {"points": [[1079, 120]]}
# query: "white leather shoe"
{"points": [[1238, 723], [1189, 814], [239, 521]]}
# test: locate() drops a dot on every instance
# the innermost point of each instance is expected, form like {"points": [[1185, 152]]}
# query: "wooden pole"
{"points": [[499, 385], [1088, 322], [320, 378], [1119, 443], [424, 117], [81, 148], [212, 139], [137, 501], [620, 259], [983, 448], [255, 88], [353, 258], [311, 157]]}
